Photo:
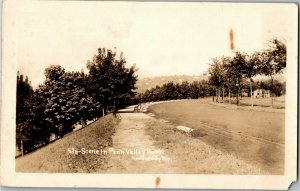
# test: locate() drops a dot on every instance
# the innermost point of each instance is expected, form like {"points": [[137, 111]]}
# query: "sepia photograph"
{"points": [[168, 91]]}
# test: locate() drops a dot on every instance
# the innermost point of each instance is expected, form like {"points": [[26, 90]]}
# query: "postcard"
{"points": [[126, 94]]}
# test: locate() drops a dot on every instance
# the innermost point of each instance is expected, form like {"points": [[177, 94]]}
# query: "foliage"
{"points": [[278, 87], [62, 93], [231, 73], [274, 61], [23, 112], [217, 73], [30, 129], [66, 98], [109, 82], [274, 58], [172, 91]]}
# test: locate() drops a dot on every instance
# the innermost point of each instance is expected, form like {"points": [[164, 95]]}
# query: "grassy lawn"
{"points": [[278, 102], [55, 157], [192, 156], [255, 136]]}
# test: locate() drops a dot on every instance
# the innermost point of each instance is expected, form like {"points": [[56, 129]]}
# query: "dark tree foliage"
{"points": [[172, 91], [194, 92], [217, 73], [274, 61], [236, 69], [274, 58], [232, 73], [66, 101], [110, 83], [30, 129], [251, 69], [278, 87], [67, 98], [23, 112]]}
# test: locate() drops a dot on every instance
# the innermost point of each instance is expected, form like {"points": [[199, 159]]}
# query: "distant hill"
{"points": [[150, 82]]}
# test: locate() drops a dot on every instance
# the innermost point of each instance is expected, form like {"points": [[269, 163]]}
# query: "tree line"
{"points": [[228, 73], [66, 98], [201, 89], [171, 91], [229, 76]]}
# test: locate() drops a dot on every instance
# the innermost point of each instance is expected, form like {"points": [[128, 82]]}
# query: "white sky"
{"points": [[161, 38]]}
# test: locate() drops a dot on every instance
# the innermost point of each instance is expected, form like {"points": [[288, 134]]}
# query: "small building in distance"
{"points": [[261, 93]]}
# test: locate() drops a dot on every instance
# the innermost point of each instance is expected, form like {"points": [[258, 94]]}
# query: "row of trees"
{"points": [[199, 89], [227, 73], [171, 91], [230, 76], [67, 98]]}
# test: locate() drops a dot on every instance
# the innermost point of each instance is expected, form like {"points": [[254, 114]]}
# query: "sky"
{"points": [[161, 38]]}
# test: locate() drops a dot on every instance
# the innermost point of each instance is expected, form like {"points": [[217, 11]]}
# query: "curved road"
{"points": [[135, 151]]}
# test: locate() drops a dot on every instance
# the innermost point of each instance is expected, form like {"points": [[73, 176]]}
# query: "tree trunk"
{"points": [[272, 88], [240, 92], [237, 95], [217, 96], [223, 93], [22, 147], [115, 109], [229, 95], [103, 113], [213, 96], [251, 93], [83, 122]]}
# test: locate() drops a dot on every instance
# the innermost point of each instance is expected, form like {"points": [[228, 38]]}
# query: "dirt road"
{"points": [[256, 137], [143, 144]]}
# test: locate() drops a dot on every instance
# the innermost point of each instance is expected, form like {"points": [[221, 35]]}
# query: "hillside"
{"points": [[150, 82], [60, 156]]}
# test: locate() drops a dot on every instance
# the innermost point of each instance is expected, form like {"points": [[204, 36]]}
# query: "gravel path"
{"points": [[134, 152]]}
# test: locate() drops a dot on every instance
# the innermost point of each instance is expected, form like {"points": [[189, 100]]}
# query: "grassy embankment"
{"points": [[278, 102], [56, 158]]}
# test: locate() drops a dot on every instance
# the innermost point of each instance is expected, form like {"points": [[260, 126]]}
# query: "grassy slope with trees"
{"points": [[55, 157], [67, 98]]}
